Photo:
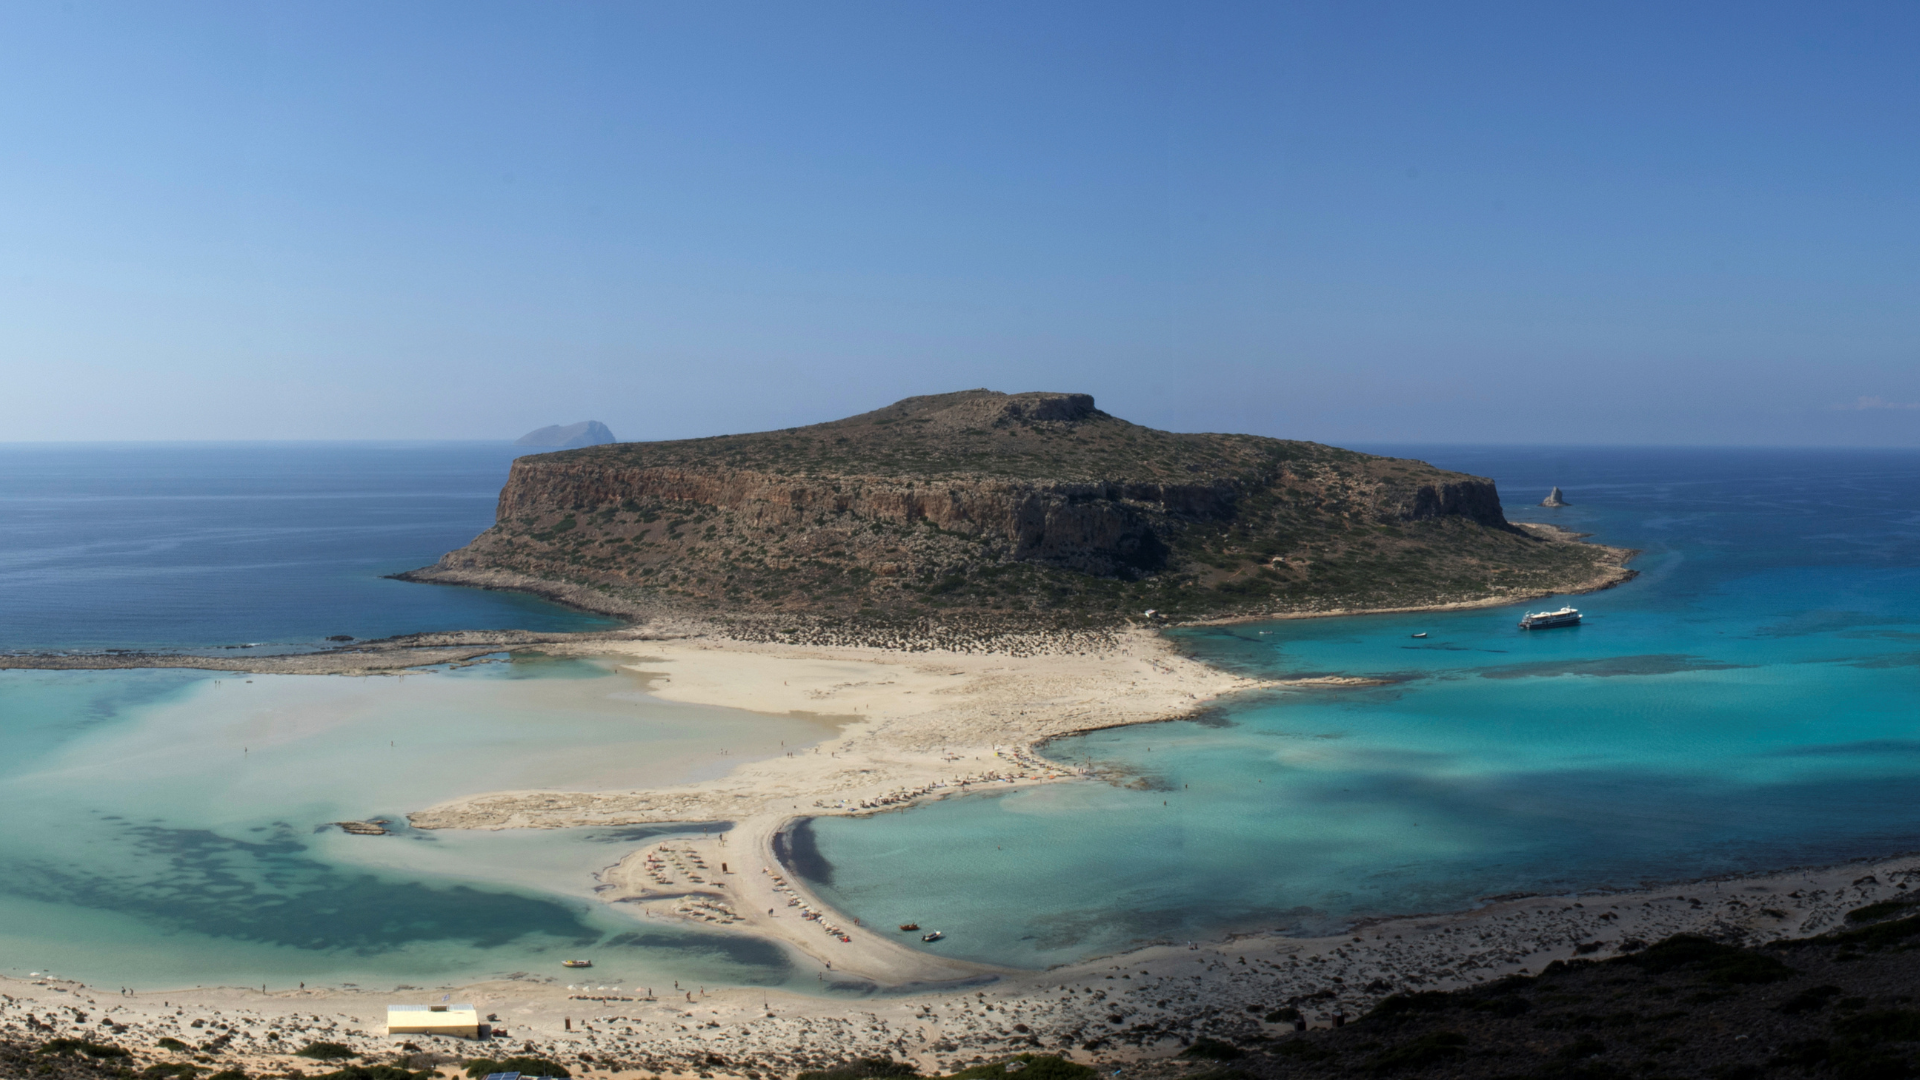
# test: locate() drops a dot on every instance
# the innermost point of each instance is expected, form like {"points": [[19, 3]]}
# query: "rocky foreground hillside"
{"points": [[1018, 509], [1840, 1005]]}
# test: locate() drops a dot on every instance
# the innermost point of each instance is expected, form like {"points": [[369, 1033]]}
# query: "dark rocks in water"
{"points": [[1554, 498], [339, 637], [568, 436]]}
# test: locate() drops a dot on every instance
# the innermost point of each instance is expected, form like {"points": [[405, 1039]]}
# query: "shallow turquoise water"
{"points": [[169, 828], [1749, 703]]}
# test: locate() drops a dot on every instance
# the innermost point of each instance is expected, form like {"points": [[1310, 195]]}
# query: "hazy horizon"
{"points": [[1481, 224], [1385, 447]]}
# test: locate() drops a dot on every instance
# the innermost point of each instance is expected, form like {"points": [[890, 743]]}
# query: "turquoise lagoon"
{"points": [[1750, 703], [170, 828]]}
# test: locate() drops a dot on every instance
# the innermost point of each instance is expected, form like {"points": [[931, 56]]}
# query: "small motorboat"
{"points": [[932, 936], [576, 963], [1421, 634], [909, 926]]}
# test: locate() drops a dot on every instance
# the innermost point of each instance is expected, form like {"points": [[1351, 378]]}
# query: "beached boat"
{"points": [[576, 963], [934, 936], [1547, 620], [909, 926]]}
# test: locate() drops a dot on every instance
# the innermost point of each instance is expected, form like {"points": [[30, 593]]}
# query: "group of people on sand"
{"points": [[807, 911]]}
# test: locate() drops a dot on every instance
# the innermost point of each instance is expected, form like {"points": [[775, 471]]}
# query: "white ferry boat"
{"points": [[1547, 620]]}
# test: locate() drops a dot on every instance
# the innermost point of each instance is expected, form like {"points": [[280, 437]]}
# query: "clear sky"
{"points": [[1351, 221]]}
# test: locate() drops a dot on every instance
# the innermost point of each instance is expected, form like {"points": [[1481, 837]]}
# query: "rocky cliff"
{"points": [[1026, 505]]}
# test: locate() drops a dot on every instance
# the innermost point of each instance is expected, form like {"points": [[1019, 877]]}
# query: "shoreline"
{"points": [[941, 718], [595, 600], [1616, 575], [662, 621], [920, 727], [1108, 1010]]}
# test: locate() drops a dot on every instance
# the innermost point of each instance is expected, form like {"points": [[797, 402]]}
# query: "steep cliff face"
{"points": [[1021, 502], [1095, 527], [1474, 499]]}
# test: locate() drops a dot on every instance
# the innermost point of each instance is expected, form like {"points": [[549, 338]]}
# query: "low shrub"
{"points": [[1038, 1067], [1585, 1046], [529, 1066], [84, 1048], [1213, 1050], [326, 1051], [1882, 1025], [1808, 1000], [376, 1072], [1426, 1050], [1302, 1050], [1805, 1054], [1722, 963], [1881, 910], [1879, 934], [863, 1069], [1401, 1006]]}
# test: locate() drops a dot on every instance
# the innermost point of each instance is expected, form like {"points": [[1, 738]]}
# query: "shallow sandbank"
{"points": [[357, 658]]}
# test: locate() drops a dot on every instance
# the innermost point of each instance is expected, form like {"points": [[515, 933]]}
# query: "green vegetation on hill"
{"points": [[1015, 510]]}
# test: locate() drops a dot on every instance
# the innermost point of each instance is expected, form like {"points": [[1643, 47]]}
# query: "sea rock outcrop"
{"points": [[1554, 498], [568, 436]]}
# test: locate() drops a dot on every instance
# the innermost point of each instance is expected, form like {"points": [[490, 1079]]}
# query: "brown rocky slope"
{"points": [[1031, 509]]}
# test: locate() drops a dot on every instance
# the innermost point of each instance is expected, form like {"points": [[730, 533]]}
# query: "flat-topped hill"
{"points": [[1032, 508], [978, 433]]}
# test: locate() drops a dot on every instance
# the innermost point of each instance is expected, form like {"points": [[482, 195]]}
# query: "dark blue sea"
{"points": [[173, 546]]}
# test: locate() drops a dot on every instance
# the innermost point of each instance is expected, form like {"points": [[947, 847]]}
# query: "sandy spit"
{"points": [[917, 726]]}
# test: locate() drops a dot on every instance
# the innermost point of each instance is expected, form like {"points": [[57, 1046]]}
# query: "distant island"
{"points": [[1032, 510], [568, 436]]}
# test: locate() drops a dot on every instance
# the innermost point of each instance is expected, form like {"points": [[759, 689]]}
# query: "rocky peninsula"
{"points": [[1009, 512]]}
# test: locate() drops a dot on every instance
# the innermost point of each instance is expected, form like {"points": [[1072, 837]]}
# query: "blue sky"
{"points": [[1352, 222]]}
